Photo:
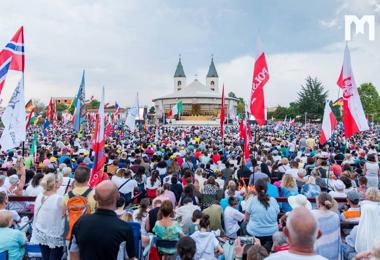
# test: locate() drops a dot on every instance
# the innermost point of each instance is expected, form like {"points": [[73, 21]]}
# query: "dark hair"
{"points": [[187, 199], [197, 214], [257, 252], [174, 180], [166, 209], [154, 177], [325, 200], [205, 221], [363, 180], [347, 181], [371, 157], [3, 197], [144, 204], [261, 189], [186, 248], [36, 179], [82, 174], [120, 202], [232, 201]]}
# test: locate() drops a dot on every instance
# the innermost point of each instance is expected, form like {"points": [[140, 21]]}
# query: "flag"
{"points": [[30, 119], [12, 56], [55, 118], [132, 114], [50, 110], [14, 119], [97, 174], [222, 115], [176, 109], [29, 106], [33, 148], [80, 109], [71, 108], [338, 102], [241, 129], [117, 109], [328, 124], [260, 78], [88, 101], [354, 120]]}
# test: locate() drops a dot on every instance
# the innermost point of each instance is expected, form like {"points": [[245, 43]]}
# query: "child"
{"points": [[194, 226], [362, 187]]}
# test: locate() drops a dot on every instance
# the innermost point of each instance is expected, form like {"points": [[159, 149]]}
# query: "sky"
{"points": [[132, 46]]}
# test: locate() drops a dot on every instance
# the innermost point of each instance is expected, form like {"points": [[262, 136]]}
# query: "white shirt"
{"points": [[33, 191], [65, 186], [128, 187], [293, 172], [290, 256], [231, 218], [185, 212], [206, 243]]}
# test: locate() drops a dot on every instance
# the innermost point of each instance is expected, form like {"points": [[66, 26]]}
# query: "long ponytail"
{"points": [[261, 189]]}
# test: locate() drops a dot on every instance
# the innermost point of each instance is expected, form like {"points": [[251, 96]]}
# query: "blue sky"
{"points": [[133, 45]]}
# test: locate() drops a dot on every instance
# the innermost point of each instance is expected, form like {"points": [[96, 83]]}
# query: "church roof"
{"points": [[179, 70], [212, 70]]}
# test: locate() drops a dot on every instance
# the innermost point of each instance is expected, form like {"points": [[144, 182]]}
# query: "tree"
{"points": [[39, 106], [94, 104], [370, 100], [152, 110], [232, 94], [312, 98], [240, 109], [61, 107]]}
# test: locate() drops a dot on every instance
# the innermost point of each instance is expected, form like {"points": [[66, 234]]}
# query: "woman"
{"points": [[328, 245], [125, 184], [166, 228], [153, 182], [288, 188], [301, 173], [34, 188], [11, 240], [206, 242], [262, 213], [186, 248], [48, 221], [369, 227], [310, 189], [284, 165], [232, 217], [371, 171], [140, 214]]}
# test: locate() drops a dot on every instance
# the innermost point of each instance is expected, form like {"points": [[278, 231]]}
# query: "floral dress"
{"points": [[167, 233]]}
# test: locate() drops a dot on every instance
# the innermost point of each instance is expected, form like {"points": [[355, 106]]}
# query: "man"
{"points": [[185, 213], [302, 232], [227, 172], [99, 235], [352, 214], [215, 212]]}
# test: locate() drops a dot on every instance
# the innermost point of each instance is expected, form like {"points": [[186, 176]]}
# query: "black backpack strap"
{"points": [[71, 194], [121, 186], [67, 186], [85, 194]]}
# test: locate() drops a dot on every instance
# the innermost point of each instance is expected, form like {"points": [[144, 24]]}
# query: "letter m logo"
{"points": [[359, 26]]}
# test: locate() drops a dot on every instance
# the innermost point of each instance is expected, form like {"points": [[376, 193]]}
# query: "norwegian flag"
{"points": [[12, 57], [328, 124], [97, 174], [260, 78], [354, 120]]}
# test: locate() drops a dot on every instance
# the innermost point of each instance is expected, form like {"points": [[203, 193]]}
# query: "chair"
{"points": [[4, 255], [167, 244], [33, 252]]}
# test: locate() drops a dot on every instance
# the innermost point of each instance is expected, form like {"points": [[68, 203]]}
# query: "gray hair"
{"points": [[279, 238]]}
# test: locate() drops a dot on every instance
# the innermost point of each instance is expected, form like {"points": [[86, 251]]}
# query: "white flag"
{"points": [[14, 119], [132, 114]]}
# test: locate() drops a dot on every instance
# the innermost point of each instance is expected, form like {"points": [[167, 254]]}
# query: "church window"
{"points": [[179, 83]]}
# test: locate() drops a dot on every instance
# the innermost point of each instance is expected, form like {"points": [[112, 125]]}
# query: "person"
{"points": [[166, 228], [368, 232], [11, 240], [254, 252], [125, 183], [152, 216], [371, 171], [352, 214], [3, 205], [232, 217], [280, 242], [302, 232], [140, 215], [310, 189], [262, 213], [194, 225], [34, 188], [328, 245], [338, 191], [185, 212], [48, 220], [99, 235], [215, 212], [288, 188], [186, 248], [206, 242]]}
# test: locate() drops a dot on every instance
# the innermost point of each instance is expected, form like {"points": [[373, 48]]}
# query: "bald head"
{"points": [[106, 194], [302, 228]]}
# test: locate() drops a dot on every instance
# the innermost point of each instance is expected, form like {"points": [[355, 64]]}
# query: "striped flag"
{"points": [[329, 122], [79, 104], [176, 109]]}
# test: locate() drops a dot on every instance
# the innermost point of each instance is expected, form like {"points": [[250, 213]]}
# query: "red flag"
{"points": [[29, 118], [49, 112], [329, 122], [260, 78], [241, 129], [353, 114], [97, 174], [222, 115], [246, 138], [55, 114]]}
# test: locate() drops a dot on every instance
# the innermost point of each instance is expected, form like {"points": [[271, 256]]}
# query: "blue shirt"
{"points": [[272, 190], [13, 241], [262, 221]]}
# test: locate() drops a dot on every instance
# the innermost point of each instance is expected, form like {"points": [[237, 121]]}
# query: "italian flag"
{"points": [[177, 109]]}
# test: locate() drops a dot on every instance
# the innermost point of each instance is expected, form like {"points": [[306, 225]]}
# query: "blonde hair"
{"points": [[49, 181], [372, 194], [288, 181], [66, 171], [5, 218], [309, 179], [232, 185], [284, 161]]}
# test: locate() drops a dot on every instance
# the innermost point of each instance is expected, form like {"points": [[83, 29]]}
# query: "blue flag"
{"points": [[80, 109]]}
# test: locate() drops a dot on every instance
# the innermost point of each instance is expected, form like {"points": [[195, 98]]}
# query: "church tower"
{"points": [[179, 77], [212, 79]]}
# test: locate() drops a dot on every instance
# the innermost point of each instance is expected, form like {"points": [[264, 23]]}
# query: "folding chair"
{"points": [[33, 252]]}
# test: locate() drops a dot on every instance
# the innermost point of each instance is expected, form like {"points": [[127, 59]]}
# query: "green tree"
{"points": [[240, 109], [311, 98], [61, 107], [39, 106], [370, 100], [152, 110], [94, 104]]}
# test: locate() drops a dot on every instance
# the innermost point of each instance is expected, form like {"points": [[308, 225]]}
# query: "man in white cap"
{"points": [[338, 191]]}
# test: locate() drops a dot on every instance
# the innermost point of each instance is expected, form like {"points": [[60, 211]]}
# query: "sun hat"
{"points": [[299, 201]]}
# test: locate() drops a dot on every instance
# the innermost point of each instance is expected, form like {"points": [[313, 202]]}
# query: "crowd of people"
{"points": [[173, 192]]}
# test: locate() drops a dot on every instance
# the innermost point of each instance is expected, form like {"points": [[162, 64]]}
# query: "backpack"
{"points": [[77, 206]]}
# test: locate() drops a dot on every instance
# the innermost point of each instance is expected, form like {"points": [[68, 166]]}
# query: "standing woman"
{"points": [[48, 222], [371, 171], [262, 213], [328, 245]]}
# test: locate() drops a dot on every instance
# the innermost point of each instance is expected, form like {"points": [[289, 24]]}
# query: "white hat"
{"points": [[13, 179], [299, 201], [339, 185]]}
